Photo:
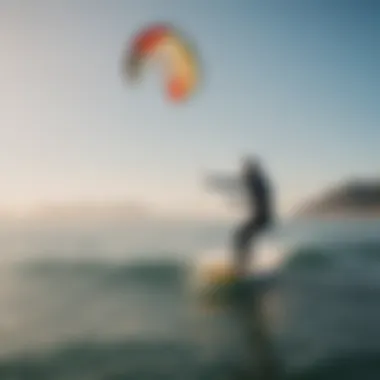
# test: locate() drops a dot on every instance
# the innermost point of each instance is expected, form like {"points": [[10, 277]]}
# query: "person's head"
{"points": [[250, 165]]}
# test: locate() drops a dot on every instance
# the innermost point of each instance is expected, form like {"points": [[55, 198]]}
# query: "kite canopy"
{"points": [[180, 63]]}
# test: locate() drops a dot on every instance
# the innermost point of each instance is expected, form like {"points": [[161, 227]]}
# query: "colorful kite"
{"points": [[181, 65]]}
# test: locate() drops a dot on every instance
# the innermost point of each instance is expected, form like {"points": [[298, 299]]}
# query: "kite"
{"points": [[164, 43]]}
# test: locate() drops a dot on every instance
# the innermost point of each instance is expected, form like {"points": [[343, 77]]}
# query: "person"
{"points": [[260, 212]]}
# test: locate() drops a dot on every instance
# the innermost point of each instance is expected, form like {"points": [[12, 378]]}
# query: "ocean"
{"points": [[77, 304]]}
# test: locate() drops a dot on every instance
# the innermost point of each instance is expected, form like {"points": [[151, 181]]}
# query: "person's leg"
{"points": [[243, 239]]}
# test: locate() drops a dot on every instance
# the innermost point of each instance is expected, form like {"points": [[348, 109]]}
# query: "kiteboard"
{"points": [[219, 285]]}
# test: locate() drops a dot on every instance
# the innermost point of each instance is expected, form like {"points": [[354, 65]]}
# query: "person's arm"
{"points": [[228, 185], [224, 183]]}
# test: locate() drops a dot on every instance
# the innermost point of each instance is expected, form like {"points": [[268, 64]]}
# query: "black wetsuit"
{"points": [[260, 214]]}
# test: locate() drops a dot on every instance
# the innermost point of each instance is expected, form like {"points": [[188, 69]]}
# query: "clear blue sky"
{"points": [[295, 81]]}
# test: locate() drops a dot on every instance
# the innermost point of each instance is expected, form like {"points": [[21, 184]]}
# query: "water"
{"points": [[77, 314]]}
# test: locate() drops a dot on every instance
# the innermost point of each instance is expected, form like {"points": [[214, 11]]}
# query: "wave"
{"points": [[132, 359], [311, 258], [360, 365], [144, 272], [92, 319], [152, 359], [323, 257]]}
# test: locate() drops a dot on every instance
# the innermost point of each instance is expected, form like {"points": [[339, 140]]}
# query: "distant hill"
{"points": [[354, 198]]}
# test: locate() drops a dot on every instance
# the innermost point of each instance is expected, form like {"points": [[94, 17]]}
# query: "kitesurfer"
{"points": [[260, 212]]}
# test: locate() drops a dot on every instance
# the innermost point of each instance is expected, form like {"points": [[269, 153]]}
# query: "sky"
{"points": [[294, 82]]}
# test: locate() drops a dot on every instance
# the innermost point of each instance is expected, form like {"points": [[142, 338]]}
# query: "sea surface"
{"points": [[89, 311]]}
